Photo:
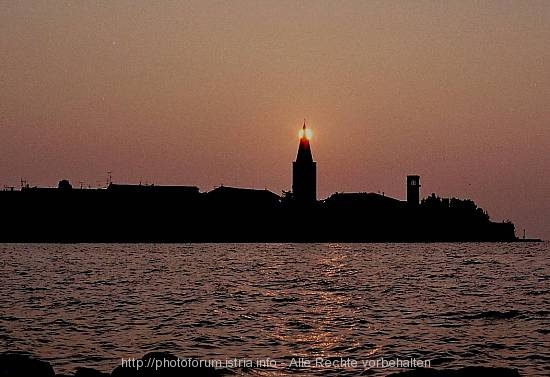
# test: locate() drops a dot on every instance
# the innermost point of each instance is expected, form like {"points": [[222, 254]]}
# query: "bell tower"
{"points": [[413, 190], [304, 171]]}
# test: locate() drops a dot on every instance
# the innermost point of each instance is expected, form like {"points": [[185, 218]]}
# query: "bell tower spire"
{"points": [[304, 170]]}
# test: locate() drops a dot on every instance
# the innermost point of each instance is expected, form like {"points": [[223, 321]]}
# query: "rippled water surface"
{"points": [[454, 304]]}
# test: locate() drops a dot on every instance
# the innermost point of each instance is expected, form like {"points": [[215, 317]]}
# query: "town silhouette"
{"points": [[155, 213]]}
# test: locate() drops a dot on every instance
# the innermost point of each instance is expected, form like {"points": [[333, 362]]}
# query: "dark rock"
{"points": [[21, 365], [463, 372], [225, 372], [89, 372]]}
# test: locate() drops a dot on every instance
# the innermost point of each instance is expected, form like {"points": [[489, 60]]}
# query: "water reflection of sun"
{"points": [[329, 327]]}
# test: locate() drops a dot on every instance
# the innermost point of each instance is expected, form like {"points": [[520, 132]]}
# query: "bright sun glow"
{"points": [[309, 134]]}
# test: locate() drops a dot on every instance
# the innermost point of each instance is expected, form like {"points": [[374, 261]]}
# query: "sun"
{"points": [[308, 133]]}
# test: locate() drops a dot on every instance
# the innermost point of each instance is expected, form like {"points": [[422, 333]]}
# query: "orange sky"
{"points": [[204, 93]]}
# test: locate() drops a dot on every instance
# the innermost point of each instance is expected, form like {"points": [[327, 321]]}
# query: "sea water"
{"points": [[278, 309]]}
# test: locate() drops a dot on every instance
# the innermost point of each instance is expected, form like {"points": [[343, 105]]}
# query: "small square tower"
{"points": [[413, 190]]}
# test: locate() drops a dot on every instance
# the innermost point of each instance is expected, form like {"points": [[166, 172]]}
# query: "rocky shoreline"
{"points": [[22, 365]]}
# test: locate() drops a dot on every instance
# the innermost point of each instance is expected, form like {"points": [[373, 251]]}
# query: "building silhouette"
{"points": [[157, 213], [413, 190], [304, 172]]}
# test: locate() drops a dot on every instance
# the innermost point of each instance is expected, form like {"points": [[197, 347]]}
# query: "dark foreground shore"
{"points": [[22, 365]]}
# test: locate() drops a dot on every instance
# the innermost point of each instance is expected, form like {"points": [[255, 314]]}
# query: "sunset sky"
{"points": [[214, 92]]}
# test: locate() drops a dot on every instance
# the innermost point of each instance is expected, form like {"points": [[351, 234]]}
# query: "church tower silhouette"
{"points": [[304, 172]]}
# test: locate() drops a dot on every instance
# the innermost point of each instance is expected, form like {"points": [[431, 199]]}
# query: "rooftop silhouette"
{"points": [[156, 213]]}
